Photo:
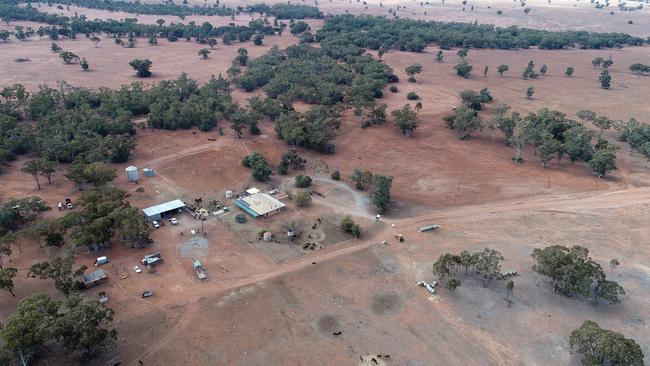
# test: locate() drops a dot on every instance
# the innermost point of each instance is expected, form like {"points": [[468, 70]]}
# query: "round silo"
{"points": [[132, 173]]}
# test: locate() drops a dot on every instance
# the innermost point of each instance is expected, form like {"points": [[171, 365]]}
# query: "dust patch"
{"points": [[328, 324], [386, 303], [195, 247]]}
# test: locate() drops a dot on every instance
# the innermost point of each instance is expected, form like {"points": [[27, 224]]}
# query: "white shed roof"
{"points": [[262, 203], [252, 191], [163, 207]]}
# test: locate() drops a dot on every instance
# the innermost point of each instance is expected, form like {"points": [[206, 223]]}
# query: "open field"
{"points": [[345, 300]]}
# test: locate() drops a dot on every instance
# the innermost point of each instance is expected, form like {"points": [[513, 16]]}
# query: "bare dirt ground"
{"points": [[277, 304]]}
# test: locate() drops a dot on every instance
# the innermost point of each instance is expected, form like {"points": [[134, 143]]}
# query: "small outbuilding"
{"points": [[260, 204], [155, 213], [94, 278]]}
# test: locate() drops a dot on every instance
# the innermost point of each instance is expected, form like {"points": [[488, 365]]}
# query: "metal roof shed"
{"points": [[94, 278], [156, 212]]}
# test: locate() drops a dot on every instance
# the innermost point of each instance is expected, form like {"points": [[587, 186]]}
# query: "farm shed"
{"points": [[94, 278], [163, 209], [260, 204]]}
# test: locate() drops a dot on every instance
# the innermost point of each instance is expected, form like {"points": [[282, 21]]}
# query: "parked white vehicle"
{"points": [[137, 269], [173, 221], [156, 224]]}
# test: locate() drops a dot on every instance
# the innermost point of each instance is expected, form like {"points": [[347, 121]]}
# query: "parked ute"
{"points": [[156, 224], [173, 221], [137, 269], [147, 293], [68, 203], [101, 260]]}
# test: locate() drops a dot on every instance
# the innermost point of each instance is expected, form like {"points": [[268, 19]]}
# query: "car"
{"points": [[137, 269], [274, 191], [173, 221], [156, 224], [240, 219], [147, 293]]}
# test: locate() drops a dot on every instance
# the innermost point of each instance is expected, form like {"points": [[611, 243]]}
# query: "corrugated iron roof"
{"points": [[163, 207]]}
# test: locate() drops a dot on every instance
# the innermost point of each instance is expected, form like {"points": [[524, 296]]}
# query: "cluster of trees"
{"points": [[573, 272], [414, 35], [377, 185], [637, 135], [261, 169], [639, 68], [78, 324], [486, 264], [315, 76], [550, 133], [290, 160], [349, 226], [600, 346], [72, 125]]}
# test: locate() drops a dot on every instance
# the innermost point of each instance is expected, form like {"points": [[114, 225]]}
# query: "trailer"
{"points": [[200, 271], [429, 228], [103, 298]]}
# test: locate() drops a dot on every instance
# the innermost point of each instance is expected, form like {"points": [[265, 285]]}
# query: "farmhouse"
{"points": [[260, 204], [94, 278], [155, 213]]}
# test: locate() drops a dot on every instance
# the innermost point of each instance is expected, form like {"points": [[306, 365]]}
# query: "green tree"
{"points": [[55, 48], [411, 70], [335, 175], [605, 79], [465, 121], [577, 141], [487, 265], [212, 42], [607, 63], [529, 71], [302, 181], [84, 65], [7, 276], [439, 56], [597, 62], [406, 119], [380, 192], [529, 92], [462, 53], [543, 69], [33, 167], [261, 170], [548, 148], [502, 68], [153, 40], [349, 226], [586, 116], [68, 57], [204, 52], [142, 67], [95, 40], [603, 123], [604, 347], [569, 71], [81, 326], [451, 284], [302, 198], [99, 174], [463, 69], [26, 330], [258, 39], [60, 270], [604, 160]]}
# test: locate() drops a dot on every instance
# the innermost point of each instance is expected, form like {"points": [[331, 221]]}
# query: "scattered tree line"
{"points": [[70, 27], [279, 11]]}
